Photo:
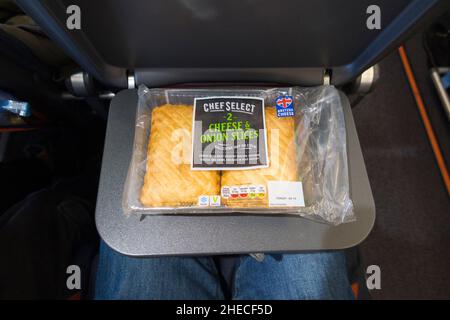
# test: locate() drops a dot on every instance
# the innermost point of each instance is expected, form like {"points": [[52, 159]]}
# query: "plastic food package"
{"points": [[240, 150]]}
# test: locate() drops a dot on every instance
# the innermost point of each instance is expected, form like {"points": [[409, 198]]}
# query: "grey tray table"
{"points": [[214, 235]]}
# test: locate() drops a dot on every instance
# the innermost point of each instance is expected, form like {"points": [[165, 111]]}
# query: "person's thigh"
{"points": [[123, 277], [321, 275]]}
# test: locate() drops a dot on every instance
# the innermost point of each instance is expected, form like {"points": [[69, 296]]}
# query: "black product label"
{"points": [[229, 133]]}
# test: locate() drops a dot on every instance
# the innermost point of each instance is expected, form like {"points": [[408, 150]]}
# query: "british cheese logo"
{"points": [[285, 106], [284, 101]]}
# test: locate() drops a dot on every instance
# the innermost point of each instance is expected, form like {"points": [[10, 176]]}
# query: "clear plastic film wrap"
{"points": [[305, 171]]}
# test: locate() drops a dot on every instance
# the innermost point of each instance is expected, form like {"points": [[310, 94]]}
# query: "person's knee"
{"points": [[295, 276], [321, 275], [122, 277]]}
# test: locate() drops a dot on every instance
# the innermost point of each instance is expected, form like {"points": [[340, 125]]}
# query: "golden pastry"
{"points": [[169, 180]]}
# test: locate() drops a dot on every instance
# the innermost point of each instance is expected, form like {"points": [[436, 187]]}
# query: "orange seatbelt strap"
{"points": [[426, 121]]}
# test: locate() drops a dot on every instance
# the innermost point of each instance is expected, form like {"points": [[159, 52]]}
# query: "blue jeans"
{"points": [[296, 276]]}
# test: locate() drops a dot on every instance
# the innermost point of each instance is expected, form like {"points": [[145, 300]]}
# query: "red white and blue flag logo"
{"points": [[285, 106]]}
